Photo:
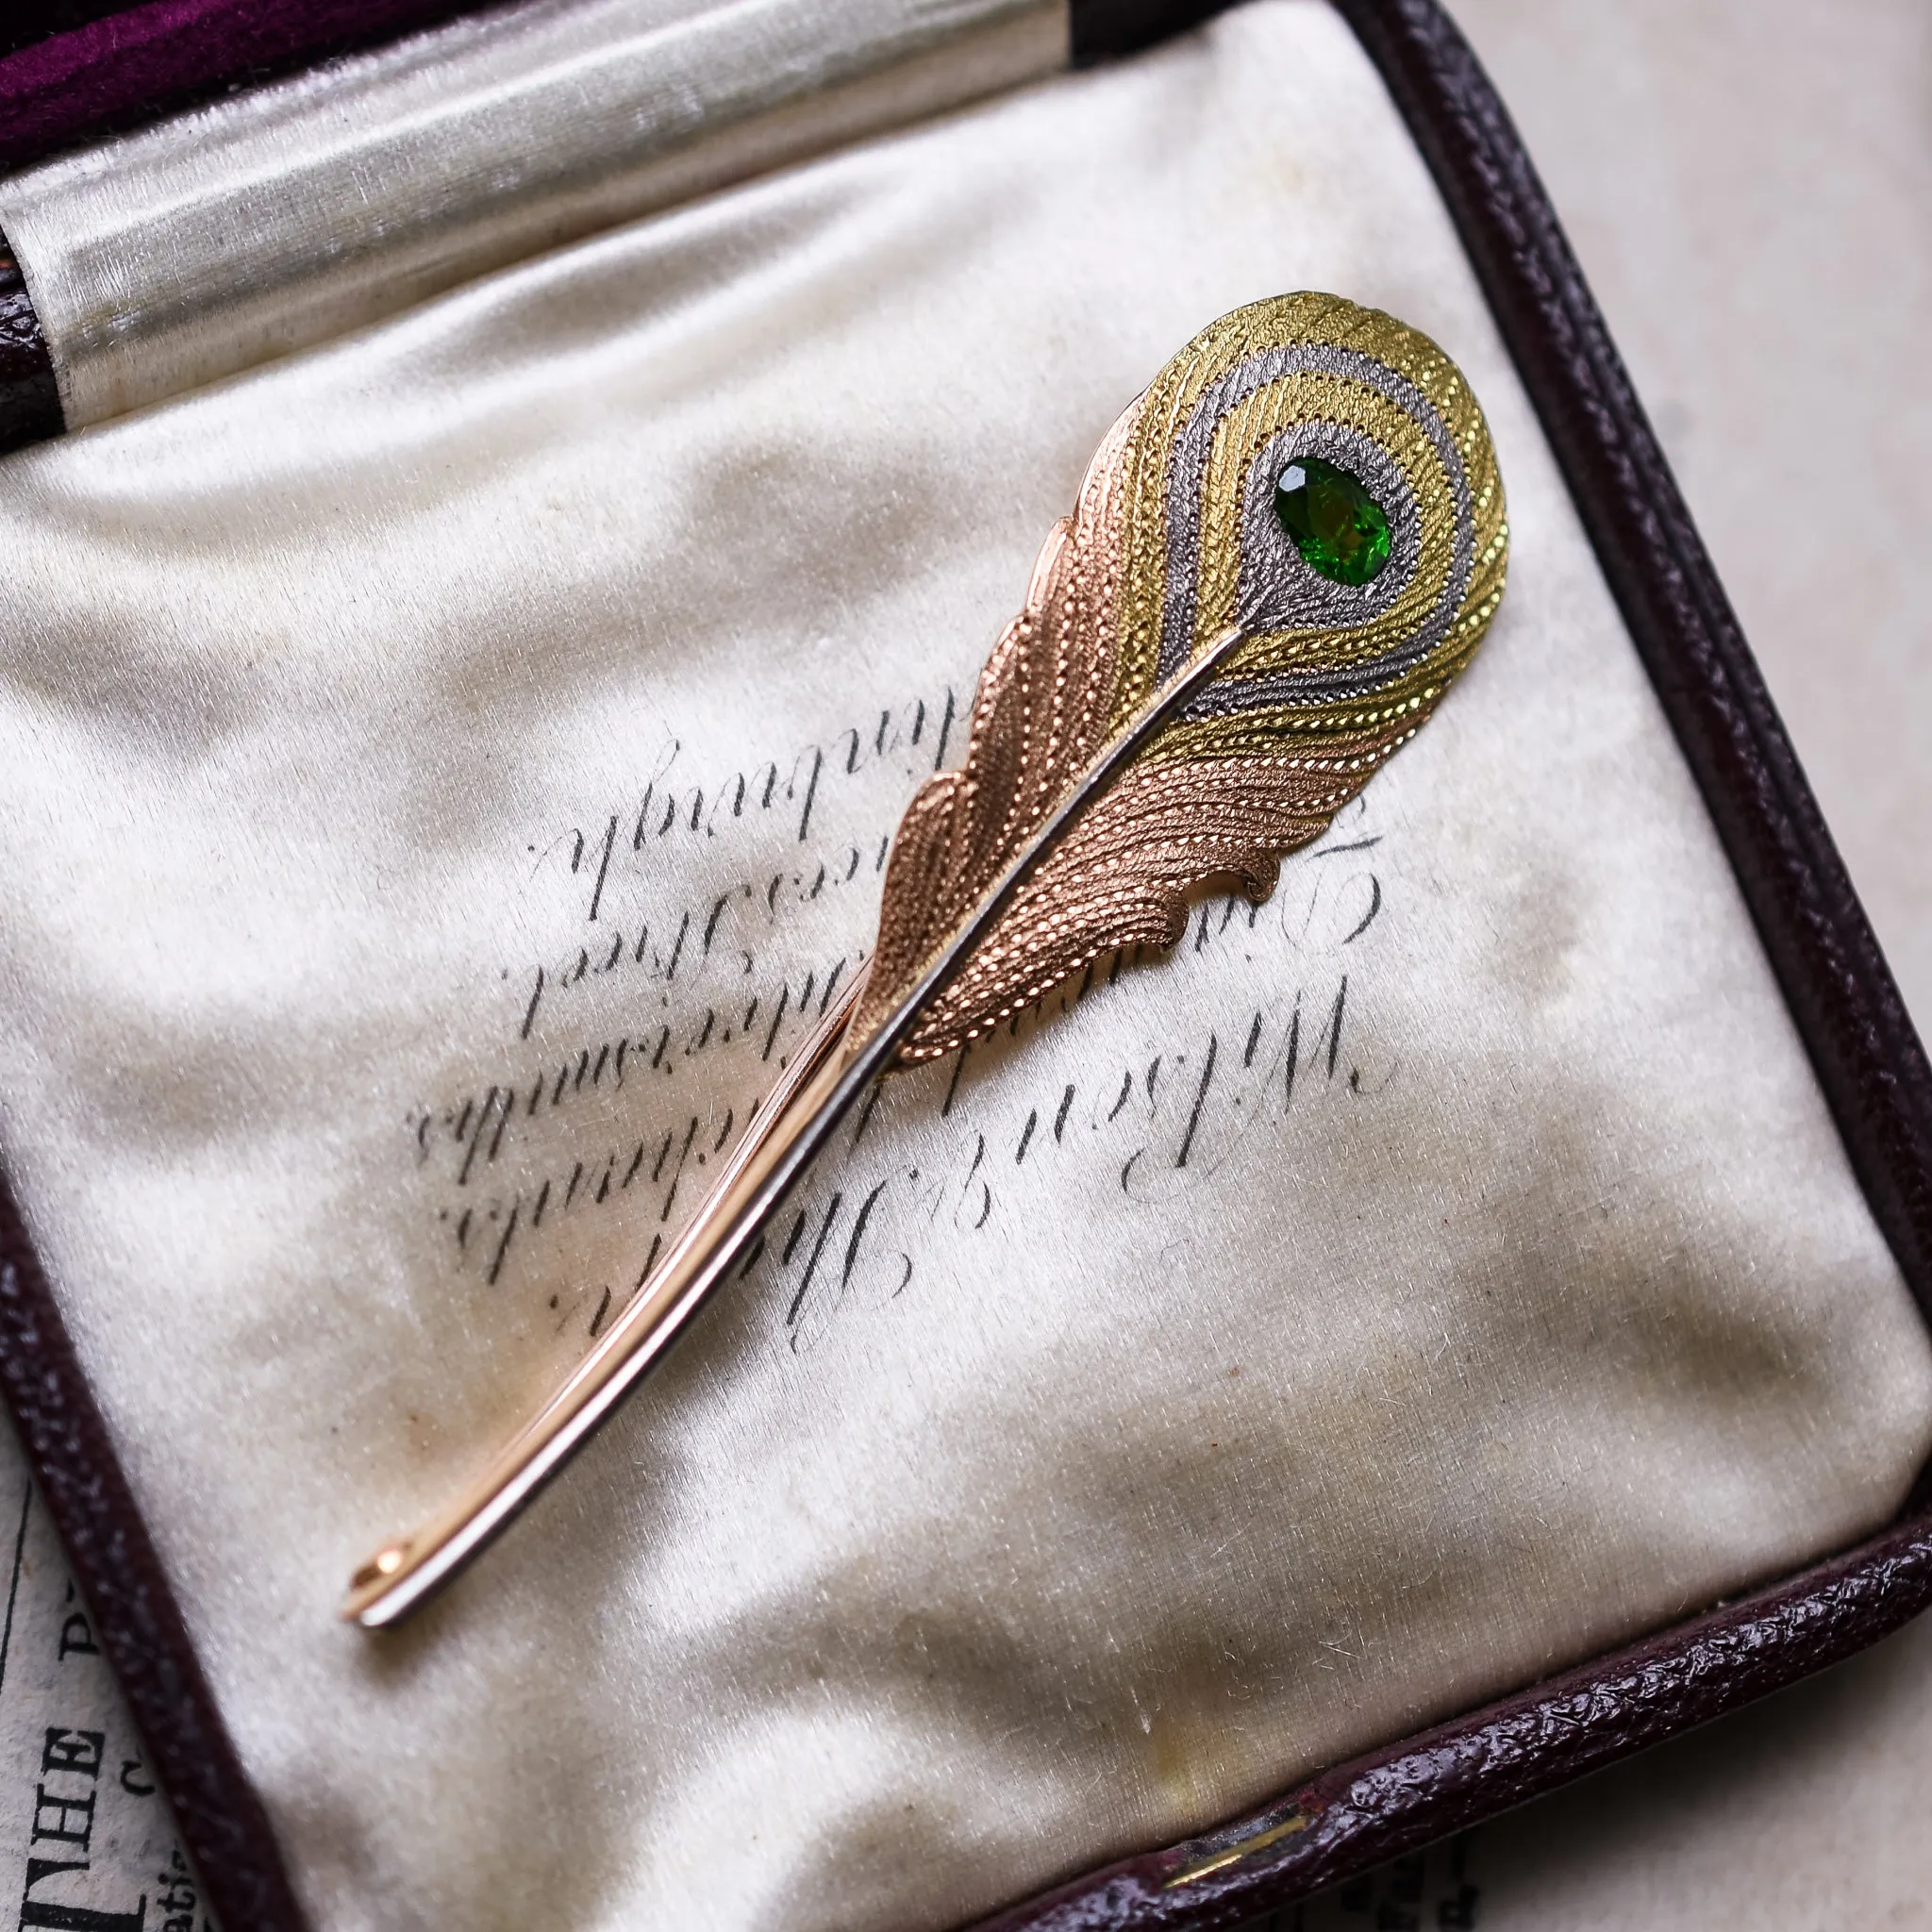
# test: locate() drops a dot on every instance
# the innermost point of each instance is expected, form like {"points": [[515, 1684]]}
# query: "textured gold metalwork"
{"points": [[1180, 700], [1165, 552]]}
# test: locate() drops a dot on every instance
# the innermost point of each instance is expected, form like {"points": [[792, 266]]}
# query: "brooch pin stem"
{"points": [[399, 1576]]}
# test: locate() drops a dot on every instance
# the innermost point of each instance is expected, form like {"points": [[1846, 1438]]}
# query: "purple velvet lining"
{"points": [[133, 66]]}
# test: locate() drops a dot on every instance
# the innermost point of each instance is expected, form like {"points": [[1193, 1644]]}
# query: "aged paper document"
{"points": [[87, 1843]]}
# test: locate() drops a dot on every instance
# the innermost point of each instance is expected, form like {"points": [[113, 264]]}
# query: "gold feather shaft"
{"points": [[825, 1079], [1282, 556]]}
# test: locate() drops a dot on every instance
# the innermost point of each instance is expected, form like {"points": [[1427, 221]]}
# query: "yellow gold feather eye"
{"points": [[1282, 555], [1315, 378], [1312, 475]]}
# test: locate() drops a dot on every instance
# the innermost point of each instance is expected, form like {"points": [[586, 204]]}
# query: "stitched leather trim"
{"points": [[29, 401]]}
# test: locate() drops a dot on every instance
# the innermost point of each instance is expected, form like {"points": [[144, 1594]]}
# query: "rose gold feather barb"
{"points": [[1282, 556]]}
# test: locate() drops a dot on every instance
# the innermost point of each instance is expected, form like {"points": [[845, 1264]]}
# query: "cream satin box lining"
{"points": [[159, 262], [1514, 1298]]}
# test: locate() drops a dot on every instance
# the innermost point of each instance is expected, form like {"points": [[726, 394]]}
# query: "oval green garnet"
{"points": [[1339, 529]]}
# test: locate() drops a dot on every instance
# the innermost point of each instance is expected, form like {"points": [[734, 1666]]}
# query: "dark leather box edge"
{"points": [[1386, 1802], [1868, 1057]]}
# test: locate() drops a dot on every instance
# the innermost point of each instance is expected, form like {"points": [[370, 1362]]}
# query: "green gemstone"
{"points": [[1339, 529]]}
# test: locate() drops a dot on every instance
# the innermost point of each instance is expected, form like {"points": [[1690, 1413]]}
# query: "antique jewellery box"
{"points": [[505, 513]]}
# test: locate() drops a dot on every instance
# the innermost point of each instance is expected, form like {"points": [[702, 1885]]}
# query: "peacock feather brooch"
{"points": [[1283, 555]]}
